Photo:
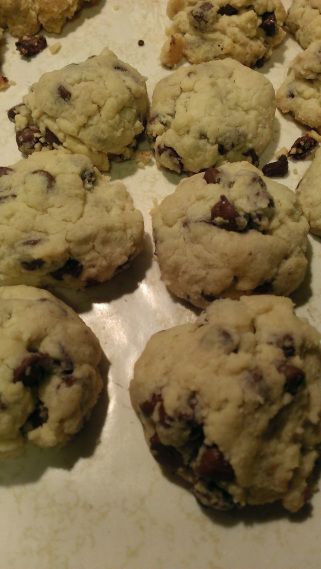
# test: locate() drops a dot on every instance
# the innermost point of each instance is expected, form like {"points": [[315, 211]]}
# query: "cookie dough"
{"points": [[204, 114], [232, 402], [205, 30], [97, 107], [300, 93], [309, 191], [62, 223], [304, 21], [26, 17], [227, 232], [49, 378]]}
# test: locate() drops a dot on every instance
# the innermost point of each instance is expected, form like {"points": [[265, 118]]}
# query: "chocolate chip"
{"points": [[32, 369], [221, 149], [278, 168], [269, 23], [302, 147], [13, 112], [265, 288], [4, 170], [212, 176], [28, 46], [227, 10], [32, 265], [214, 465], [71, 267], [294, 377], [50, 179], [38, 417], [64, 93], [27, 139], [252, 154], [172, 154], [200, 14], [148, 406], [259, 63], [226, 211], [89, 178], [287, 345], [51, 138], [141, 43], [290, 94], [166, 455], [120, 68]]}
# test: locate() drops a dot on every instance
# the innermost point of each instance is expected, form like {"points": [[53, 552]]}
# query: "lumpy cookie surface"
{"points": [[304, 21], [205, 30], [63, 223], [204, 114], [26, 17], [229, 231], [49, 378], [232, 402], [97, 108], [300, 93], [309, 191]]}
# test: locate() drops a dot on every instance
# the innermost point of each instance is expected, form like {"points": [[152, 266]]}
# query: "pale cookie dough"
{"points": [[309, 194], [300, 93], [64, 223], [203, 30], [97, 107], [304, 21], [227, 232], [232, 402], [49, 378], [204, 114], [26, 17]]}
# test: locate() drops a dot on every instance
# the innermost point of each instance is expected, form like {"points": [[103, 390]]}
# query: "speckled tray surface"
{"points": [[102, 502]]}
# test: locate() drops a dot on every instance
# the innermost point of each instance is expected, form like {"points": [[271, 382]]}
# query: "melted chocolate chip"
{"points": [[4, 170], [276, 169], [51, 138], [71, 267], [166, 455], [29, 46], [32, 265], [294, 377], [287, 345], [226, 211], [212, 176], [64, 93], [221, 149], [38, 417], [13, 112], [50, 179], [227, 10], [148, 406], [32, 370], [27, 139], [172, 154], [302, 147], [269, 23], [214, 465], [200, 14], [89, 178], [252, 154]]}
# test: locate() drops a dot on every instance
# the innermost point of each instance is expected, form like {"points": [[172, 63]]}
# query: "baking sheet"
{"points": [[102, 502]]}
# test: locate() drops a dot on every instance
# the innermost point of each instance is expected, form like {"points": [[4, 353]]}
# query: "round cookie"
{"points": [[26, 17], [232, 402], [227, 232], [97, 108], [63, 223], [49, 378], [304, 21], [300, 93], [205, 30], [204, 114], [308, 192]]}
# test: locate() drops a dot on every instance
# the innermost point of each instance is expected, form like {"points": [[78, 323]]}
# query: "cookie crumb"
{"points": [[55, 48], [29, 46], [303, 147]]}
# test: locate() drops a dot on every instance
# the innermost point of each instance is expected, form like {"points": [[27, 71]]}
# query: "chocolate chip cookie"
{"points": [[205, 30], [26, 17], [304, 21], [232, 402], [230, 231], [62, 223], [49, 379], [97, 108], [300, 93], [204, 114]]}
